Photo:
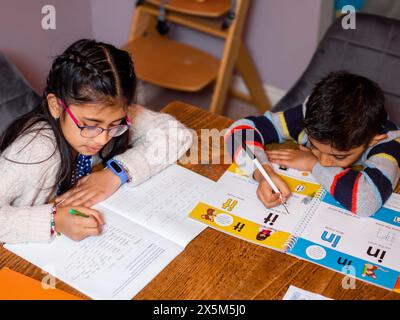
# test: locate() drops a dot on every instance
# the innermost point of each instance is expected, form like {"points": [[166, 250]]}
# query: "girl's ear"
{"points": [[54, 107]]}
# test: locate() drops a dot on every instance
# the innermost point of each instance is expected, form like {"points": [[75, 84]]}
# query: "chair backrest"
{"points": [[16, 95], [371, 50], [206, 8]]}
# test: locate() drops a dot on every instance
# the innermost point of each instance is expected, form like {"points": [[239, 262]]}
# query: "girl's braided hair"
{"points": [[87, 72]]}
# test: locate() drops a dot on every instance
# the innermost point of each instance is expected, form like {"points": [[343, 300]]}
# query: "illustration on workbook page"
{"points": [[233, 207]]}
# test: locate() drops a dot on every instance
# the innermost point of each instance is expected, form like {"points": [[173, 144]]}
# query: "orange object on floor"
{"points": [[16, 286]]}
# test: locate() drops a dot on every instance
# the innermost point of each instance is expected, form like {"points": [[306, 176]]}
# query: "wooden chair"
{"points": [[169, 64]]}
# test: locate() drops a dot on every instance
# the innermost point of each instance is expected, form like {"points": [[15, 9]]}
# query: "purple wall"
{"points": [[280, 34], [111, 20], [29, 46]]}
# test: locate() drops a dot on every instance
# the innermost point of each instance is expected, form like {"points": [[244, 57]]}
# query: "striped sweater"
{"points": [[362, 192]]}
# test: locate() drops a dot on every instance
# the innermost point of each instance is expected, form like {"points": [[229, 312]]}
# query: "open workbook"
{"points": [[146, 228], [317, 228]]}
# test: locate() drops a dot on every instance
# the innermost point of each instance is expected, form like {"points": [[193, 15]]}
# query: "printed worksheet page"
{"points": [[115, 265], [369, 239], [365, 248], [236, 194], [162, 204]]}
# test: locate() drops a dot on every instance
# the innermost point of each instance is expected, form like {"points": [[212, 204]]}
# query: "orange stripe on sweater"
{"points": [[254, 143], [335, 180], [232, 131]]}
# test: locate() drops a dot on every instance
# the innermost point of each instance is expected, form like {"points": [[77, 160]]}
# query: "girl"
{"points": [[87, 117]]}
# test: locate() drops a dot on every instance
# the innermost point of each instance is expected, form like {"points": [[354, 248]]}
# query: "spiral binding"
{"points": [[289, 244], [299, 229]]}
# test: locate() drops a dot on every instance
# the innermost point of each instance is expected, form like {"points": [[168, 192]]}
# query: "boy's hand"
{"points": [[75, 227], [264, 191], [302, 159], [91, 189]]}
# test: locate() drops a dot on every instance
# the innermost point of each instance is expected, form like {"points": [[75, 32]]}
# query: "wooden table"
{"points": [[218, 266]]}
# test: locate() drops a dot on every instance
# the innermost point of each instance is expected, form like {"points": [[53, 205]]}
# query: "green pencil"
{"points": [[77, 213]]}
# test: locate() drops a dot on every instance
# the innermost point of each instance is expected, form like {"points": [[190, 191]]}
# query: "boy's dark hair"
{"points": [[345, 110]]}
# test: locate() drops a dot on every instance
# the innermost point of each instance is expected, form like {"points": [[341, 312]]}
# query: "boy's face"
{"points": [[331, 157]]}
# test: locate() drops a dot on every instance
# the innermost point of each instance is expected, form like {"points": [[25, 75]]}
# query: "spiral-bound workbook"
{"points": [[317, 229]]}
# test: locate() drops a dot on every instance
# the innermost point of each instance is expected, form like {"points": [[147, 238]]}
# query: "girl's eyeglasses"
{"points": [[94, 131]]}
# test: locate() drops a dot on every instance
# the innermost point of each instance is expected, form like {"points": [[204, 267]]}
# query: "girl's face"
{"points": [[89, 115]]}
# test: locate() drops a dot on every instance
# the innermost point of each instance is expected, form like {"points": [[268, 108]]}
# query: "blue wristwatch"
{"points": [[118, 170]]}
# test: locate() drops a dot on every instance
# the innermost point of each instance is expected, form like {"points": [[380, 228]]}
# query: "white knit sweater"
{"points": [[26, 187]]}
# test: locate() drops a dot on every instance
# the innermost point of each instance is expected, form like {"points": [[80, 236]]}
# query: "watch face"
{"points": [[116, 167]]}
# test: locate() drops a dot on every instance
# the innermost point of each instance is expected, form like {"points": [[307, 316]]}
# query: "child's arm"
{"points": [[364, 192], [26, 223], [33, 223], [259, 131], [158, 141], [28, 171]]}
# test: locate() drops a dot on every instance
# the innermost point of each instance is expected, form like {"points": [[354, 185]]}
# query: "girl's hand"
{"points": [[302, 159], [91, 189], [75, 227], [264, 191]]}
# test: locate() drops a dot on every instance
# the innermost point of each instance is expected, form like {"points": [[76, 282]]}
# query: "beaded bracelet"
{"points": [[53, 222]]}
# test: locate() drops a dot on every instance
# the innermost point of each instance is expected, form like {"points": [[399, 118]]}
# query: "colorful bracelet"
{"points": [[53, 222]]}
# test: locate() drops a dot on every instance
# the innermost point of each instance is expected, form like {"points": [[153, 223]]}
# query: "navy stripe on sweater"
{"points": [[241, 135], [382, 183], [343, 192], [266, 128], [294, 121], [391, 148]]}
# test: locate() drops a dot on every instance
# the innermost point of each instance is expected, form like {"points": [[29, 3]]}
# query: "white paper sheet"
{"points": [[243, 191], [115, 265], [163, 203], [295, 293]]}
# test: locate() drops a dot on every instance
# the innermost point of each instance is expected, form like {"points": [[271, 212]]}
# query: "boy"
{"points": [[342, 123]]}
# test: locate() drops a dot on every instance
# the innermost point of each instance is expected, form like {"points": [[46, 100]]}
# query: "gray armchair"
{"points": [[16, 95], [371, 50]]}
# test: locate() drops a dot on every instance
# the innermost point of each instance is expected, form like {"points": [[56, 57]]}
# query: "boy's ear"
{"points": [[54, 108], [378, 138]]}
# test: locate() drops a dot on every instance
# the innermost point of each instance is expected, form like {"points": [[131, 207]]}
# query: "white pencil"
{"points": [[263, 172]]}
